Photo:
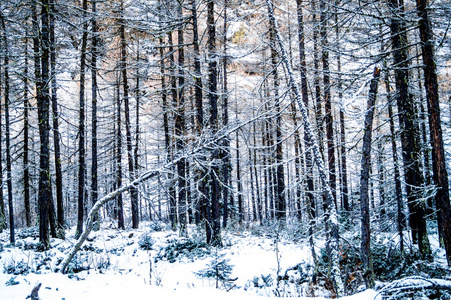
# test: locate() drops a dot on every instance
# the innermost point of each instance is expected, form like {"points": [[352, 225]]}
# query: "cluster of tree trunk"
{"points": [[162, 89]]}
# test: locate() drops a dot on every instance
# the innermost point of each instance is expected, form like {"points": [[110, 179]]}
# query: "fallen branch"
{"points": [[147, 175], [95, 209], [412, 284], [34, 293]]}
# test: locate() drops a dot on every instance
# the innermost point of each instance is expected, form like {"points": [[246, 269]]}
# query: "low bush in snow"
{"points": [[218, 269], [146, 242], [183, 247]]}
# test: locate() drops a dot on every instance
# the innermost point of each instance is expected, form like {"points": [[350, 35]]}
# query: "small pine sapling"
{"points": [[218, 269]]}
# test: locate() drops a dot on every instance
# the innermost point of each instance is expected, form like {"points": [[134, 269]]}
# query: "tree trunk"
{"points": [[2, 201], [333, 217], [440, 174], [56, 135], [304, 90], [410, 131], [252, 177], [26, 127], [213, 99], [137, 128], [120, 205], [225, 148], [280, 182], [328, 117], [238, 178], [131, 168], [95, 209], [43, 99], [81, 123], [180, 126], [365, 246], [342, 149], [396, 174], [6, 79], [199, 119], [172, 190], [94, 171]]}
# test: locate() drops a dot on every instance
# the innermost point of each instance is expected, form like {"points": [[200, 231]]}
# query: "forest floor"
{"points": [[155, 262]]}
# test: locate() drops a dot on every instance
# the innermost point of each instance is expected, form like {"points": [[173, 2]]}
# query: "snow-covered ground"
{"points": [[116, 267]]}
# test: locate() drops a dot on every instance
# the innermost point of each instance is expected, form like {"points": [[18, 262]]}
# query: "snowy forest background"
{"points": [[322, 126]]}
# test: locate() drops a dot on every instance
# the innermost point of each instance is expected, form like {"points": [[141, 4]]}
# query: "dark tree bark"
{"points": [[180, 125], [319, 118], [252, 177], [381, 176], [238, 177], [43, 99], [2, 201], [94, 165], [12, 237], [172, 190], [225, 147], [280, 183], [26, 127], [304, 91], [118, 158], [396, 173], [56, 135], [328, 117], [440, 174], [333, 225], [298, 164], [199, 118], [410, 131], [342, 149], [365, 246], [128, 134], [81, 124], [137, 128], [213, 100]]}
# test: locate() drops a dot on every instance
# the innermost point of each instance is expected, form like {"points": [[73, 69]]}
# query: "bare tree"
{"points": [[440, 174], [365, 247]]}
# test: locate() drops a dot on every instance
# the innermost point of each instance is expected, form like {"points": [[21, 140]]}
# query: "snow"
{"points": [[119, 269]]}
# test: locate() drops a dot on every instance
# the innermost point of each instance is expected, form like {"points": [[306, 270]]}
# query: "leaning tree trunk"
{"points": [[333, 217], [365, 247], [440, 174], [95, 209]]}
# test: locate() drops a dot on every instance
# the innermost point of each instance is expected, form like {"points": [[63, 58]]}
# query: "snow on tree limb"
{"points": [[333, 217], [144, 177], [95, 209], [411, 284]]}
